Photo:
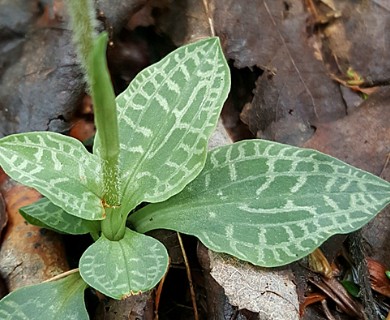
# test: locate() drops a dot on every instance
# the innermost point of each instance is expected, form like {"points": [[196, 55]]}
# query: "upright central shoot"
{"points": [[107, 148], [92, 54]]}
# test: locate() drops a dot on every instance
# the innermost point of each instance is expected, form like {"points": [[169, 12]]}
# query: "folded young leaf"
{"points": [[45, 214], [61, 299], [122, 268], [166, 117], [57, 166], [268, 203]]}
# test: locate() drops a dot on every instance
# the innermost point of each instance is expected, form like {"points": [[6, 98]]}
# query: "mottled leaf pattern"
{"points": [[57, 166], [268, 203], [166, 116], [62, 299], [131, 265], [44, 213]]}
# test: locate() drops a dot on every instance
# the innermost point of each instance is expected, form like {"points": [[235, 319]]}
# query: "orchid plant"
{"points": [[260, 201]]}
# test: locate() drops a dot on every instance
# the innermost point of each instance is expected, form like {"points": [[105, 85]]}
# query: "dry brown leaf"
{"points": [[319, 264], [132, 308], [359, 38], [183, 21], [309, 300], [39, 90], [28, 254], [335, 291], [294, 93], [269, 292], [3, 215], [379, 281]]}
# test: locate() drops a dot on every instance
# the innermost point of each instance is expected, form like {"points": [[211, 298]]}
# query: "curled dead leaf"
{"points": [[379, 281]]}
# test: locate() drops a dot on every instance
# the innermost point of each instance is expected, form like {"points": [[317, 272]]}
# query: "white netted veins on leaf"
{"points": [[261, 201]]}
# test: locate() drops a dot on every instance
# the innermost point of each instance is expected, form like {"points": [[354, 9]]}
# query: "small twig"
{"points": [[311, 6], [158, 292], [192, 291], [368, 83], [358, 88], [209, 17], [385, 165], [62, 275], [327, 312]]}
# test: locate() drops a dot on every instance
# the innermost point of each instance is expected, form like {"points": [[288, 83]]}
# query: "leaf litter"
{"points": [[295, 99]]}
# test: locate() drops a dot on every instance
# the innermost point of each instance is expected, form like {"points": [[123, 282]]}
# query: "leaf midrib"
{"points": [[157, 136]]}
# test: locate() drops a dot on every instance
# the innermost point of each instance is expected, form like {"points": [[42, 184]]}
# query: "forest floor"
{"points": [[310, 73]]}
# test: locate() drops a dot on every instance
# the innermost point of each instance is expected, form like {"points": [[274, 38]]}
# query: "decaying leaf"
{"points": [[16, 16], [271, 293], [379, 281], [319, 264], [116, 13], [3, 214], [39, 91], [359, 38], [335, 291], [183, 21], [294, 93], [29, 254], [132, 308]]}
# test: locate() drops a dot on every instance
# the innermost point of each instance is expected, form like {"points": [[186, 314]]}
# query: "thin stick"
{"points": [[158, 292], [328, 314], [385, 165], [210, 19], [192, 291], [62, 275]]}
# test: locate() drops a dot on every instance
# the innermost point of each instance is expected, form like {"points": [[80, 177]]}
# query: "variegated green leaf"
{"points": [[62, 299], [166, 116], [45, 214], [268, 203], [121, 268], [57, 166]]}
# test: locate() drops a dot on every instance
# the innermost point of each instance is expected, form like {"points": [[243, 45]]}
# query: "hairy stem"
{"points": [[92, 53], [106, 122], [83, 23]]}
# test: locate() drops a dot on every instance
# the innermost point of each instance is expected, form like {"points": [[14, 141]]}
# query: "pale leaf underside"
{"points": [[121, 268], [268, 203], [57, 166], [62, 299], [46, 214], [166, 117]]}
